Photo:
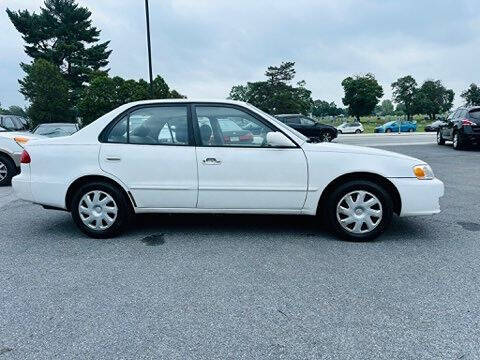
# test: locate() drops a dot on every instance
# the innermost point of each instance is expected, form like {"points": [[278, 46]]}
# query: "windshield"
{"points": [[280, 124], [55, 130]]}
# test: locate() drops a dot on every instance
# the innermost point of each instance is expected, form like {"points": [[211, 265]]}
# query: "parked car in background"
{"points": [[434, 126], [350, 128], [309, 127], [392, 127], [11, 147], [462, 127], [104, 173], [13, 123], [56, 129]]}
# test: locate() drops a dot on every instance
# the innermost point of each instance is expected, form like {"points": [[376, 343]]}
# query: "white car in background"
{"points": [[156, 157], [350, 128]]}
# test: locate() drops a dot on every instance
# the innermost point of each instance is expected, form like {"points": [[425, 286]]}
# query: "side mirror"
{"points": [[277, 139]]}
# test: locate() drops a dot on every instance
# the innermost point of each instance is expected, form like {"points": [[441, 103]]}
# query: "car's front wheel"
{"points": [[7, 170], [359, 210], [327, 137], [358, 131], [100, 210], [388, 130], [440, 139]]}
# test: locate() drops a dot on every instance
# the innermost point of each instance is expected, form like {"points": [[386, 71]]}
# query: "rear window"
{"points": [[475, 114]]}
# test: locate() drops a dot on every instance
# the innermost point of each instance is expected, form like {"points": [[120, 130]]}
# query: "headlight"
{"points": [[423, 172], [21, 140]]}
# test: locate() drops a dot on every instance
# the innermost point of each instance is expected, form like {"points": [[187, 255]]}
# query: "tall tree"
{"points": [[404, 90], [62, 33], [324, 108], [362, 94], [433, 98], [105, 94], [47, 90], [276, 95], [472, 95], [385, 108]]}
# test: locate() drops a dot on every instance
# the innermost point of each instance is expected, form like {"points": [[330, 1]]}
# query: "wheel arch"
{"points": [[8, 156], [92, 178], [378, 179]]}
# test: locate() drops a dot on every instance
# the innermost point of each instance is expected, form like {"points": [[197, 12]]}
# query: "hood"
{"points": [[356, 150]]}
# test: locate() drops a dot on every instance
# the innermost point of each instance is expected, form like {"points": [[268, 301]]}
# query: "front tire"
{"points": [[388, 130], [440, 139], [326, 137], [358, 131], [7, 170], [359, 210], [101, 210]]}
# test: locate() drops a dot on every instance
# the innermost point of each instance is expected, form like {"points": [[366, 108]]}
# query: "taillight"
{"points": [[25, 158], [467, 122]]}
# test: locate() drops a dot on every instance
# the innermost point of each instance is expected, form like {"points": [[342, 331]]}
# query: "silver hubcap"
{"points": [[438, 137], [3, 171], [326, 137], [359, 212], [455, 140], [98, 210]]}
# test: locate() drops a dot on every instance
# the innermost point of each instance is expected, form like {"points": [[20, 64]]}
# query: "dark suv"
{"points": [[309, 127], [462, 127]]}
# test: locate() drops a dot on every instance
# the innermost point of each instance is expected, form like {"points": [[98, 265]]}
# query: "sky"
{"points": [[204, 47]]}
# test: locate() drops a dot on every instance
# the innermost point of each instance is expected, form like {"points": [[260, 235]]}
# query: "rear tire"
{"points": [[359, 210], [440, 139], [7, 170], [358, 131], [326, 137], [388, 130], [101, 210], [457, 141]]}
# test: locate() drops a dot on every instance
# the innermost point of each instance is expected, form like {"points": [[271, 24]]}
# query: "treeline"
{"points": [[68, 79], [68, 76]]}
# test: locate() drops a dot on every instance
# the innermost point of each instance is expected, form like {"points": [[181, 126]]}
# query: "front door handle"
{"points": [[113, 158], [211, 161]]}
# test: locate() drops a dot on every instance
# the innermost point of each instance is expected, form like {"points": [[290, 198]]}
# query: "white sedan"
{"points": [[178, 156]]}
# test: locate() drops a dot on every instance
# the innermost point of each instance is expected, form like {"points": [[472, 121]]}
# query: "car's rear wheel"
{"points": [[359, 210], [7, 170], [358, 131], [457, 141], [440, 139], [100, 210], [388, 130], [340, 132]]}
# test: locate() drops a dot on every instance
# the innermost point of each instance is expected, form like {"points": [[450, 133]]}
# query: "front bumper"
{"points": [[419, 197]]}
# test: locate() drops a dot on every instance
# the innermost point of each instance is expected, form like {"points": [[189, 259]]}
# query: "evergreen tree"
{"points": [[62, 33]]}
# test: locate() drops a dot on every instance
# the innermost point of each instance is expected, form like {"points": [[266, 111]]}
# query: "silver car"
{"points": [[11, 147]]}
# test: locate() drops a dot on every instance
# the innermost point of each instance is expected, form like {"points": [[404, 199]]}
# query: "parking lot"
{"points": [[219, 287]]}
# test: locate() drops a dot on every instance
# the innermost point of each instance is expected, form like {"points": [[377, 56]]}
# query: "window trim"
{"points": [[268, 124], [103, 137]]}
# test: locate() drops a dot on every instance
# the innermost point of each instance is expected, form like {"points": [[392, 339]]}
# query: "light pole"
{"points": [[149, 45]]}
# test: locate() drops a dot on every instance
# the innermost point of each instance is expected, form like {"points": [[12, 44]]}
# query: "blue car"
{"points": [[392, 126]]}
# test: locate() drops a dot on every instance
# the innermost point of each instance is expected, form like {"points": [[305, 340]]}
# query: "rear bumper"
{"points": [[419, 197], [22, 186]]}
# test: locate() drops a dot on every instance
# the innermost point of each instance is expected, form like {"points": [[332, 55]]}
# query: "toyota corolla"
{"points": [[172, 156]]}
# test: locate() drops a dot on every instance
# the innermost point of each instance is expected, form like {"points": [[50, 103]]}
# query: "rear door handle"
{"points": [[211, 161]]}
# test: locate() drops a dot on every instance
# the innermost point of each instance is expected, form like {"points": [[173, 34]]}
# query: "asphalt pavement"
{"points": [[247, 287]]}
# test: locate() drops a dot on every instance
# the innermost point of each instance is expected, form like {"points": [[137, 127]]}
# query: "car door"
{"points": [[150, 149], [248, 175], [448, 129]]}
